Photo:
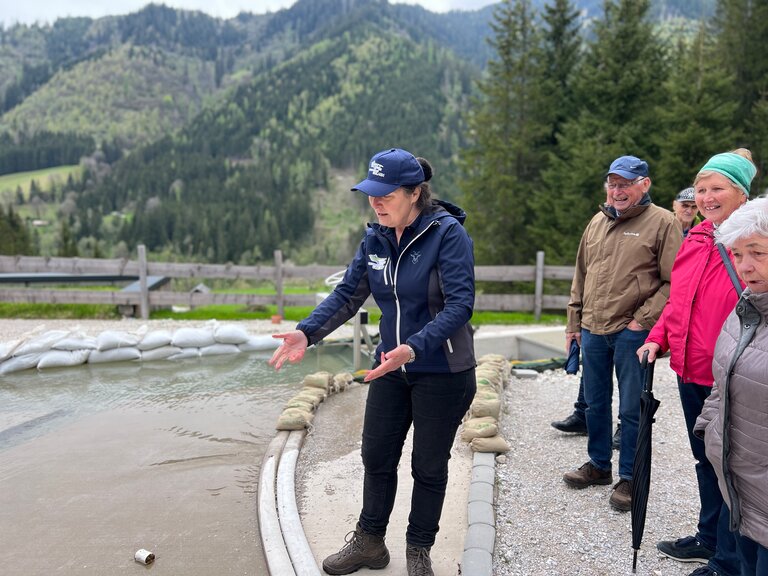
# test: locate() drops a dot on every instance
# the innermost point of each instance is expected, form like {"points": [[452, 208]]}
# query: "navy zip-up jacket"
{"points": [[425, 288]]}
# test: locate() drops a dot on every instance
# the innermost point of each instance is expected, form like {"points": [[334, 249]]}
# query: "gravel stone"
{"points": [[545, 528]]}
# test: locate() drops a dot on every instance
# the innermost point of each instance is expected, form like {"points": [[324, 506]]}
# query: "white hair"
{"points": [[750, 219]]}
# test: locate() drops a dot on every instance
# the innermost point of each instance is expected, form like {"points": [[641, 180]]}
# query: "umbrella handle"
{"points": [[644, 361]]}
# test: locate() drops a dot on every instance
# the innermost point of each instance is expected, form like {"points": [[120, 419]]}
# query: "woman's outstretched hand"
{"points": [[391, 360], [292, 349]]}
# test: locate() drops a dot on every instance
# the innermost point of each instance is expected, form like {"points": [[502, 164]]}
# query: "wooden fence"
{"points": [[143, 299]]}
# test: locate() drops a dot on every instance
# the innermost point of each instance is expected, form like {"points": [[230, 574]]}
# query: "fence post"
{"points": [[144, 303], [539, 286], [279, 282]]}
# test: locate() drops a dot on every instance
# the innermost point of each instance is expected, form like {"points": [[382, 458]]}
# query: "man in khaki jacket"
{"points": [[619, 289]]}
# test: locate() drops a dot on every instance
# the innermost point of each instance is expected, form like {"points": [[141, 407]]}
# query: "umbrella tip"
{"points": [[634, 562]]}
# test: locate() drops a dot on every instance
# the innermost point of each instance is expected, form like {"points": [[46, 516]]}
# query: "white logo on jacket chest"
{"points": [[632, 234], [377, 262], [415, 257]]}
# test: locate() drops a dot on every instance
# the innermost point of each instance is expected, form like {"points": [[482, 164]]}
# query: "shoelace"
{"points": [[421, 563], [352, 544]]}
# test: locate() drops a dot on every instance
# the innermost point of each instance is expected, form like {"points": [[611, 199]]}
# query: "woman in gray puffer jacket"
{"points": [[734, 421]]}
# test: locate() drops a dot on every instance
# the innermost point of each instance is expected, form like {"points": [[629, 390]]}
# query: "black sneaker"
{"points": [[572, 424], [705, 571], [687, 549], [616, 442]]}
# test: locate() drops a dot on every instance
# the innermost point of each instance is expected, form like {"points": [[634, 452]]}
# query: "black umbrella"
{"points": [[641, 467]]}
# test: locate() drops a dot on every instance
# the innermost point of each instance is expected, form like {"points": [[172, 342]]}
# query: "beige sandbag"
{"points": [[492, 444], [318, 393], [309, 398], [317, 380], [482, 407], [479, 428], [301, 404], [342, 380], [294, 419], [486, 394]]}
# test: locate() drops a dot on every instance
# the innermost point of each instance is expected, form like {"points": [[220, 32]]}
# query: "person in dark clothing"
{"points": [[417, 262]]}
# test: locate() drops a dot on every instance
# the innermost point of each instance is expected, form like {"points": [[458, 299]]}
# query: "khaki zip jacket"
{"points": [[623, 268]]}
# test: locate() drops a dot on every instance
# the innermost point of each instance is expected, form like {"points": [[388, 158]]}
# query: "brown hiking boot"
{"points": [[621, 499], [419, 563], [587, 475], [360, 551]]}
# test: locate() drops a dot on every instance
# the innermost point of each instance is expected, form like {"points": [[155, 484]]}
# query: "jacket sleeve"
{"points": [[708, 412], [342, 304], [575, 304], [658, 333], [456, 264], [669, 237]]}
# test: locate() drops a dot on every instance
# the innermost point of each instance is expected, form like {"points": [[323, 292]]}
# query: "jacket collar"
{"points": [[630, 212]]}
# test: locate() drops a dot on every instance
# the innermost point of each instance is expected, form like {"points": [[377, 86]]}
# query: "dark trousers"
{"points": [[753, 556], [712, 530], [435, 404]]}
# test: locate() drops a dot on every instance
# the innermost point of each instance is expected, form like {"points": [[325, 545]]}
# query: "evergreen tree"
{"points": [[698, 119], [619, 91], [501, 165]]}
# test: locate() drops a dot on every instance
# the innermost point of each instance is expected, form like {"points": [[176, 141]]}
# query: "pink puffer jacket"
{"points": [[700, 299]]}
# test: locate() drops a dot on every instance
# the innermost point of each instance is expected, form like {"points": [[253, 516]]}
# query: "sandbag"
{"points": [[492, 444], [114, 355], [479, 428], [110, 339], [41, 343], [320, 380], [256, 343], [22, 362], [482, 407], [75, 342], [231, 334], [155, 339], [60, 358], [185, 353], [294, 419], [7, 348], [300, 403], [161, 353], [218, 349], [192, 338]]}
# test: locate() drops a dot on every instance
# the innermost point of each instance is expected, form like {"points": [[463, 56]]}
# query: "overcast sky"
{"points": [[42, 11]]}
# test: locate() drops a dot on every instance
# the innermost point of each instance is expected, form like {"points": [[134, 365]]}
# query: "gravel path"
{"points": [[543, 527]]}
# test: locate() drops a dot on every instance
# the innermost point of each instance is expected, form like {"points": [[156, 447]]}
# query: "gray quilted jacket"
{"points": [[734, 420]]}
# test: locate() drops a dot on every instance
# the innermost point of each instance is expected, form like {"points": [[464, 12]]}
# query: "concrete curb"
{"points": [[480, 540]]}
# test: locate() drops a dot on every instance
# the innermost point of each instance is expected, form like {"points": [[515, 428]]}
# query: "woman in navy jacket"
{"points": [[418, 265]]}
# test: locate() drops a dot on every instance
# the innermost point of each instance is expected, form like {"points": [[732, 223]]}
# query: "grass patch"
{"points": [[44, 178], [59, 311]]}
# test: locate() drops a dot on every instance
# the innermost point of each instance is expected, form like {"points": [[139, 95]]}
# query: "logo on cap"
{"points": [[376, 170]]}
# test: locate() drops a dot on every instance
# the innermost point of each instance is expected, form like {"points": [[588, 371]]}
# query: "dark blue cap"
{"points": [[390, 169], [629, 167]]}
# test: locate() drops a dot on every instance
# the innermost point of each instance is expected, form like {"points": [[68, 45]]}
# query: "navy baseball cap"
{"points": [[629, 167], [390, 169], [686, 195]]}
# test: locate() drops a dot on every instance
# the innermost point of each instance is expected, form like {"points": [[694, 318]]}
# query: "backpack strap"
{"points": [[729, 268]]}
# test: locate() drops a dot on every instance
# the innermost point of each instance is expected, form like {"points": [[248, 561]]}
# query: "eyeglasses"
{"points": [[622, 185]]}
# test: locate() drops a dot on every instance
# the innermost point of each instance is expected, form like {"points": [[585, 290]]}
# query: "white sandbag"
{"points": [[255, 343], [41, 343], [217, 349], [155, 339], [17, 363], [110, 339], [192, 338], [75, 342], [114, 355], [7, 349], [231, 334], [185, 353], [61, 358], [160, 353]]}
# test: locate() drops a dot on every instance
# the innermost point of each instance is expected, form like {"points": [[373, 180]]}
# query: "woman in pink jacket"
{"points": [[702, 295]]}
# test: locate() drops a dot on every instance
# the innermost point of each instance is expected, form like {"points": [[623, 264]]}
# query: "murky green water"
{"points": [[99, 461]]}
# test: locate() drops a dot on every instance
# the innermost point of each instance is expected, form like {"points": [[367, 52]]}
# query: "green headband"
{"points": [[736, 168]]}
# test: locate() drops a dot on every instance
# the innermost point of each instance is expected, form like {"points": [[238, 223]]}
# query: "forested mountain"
{"points": [[219, 139]]}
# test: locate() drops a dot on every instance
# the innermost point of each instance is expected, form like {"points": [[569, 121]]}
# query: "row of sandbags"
{"points": [[481, 425], [299, 411], [59, 348]]}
